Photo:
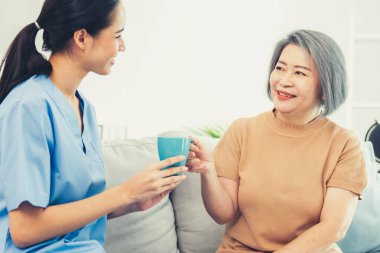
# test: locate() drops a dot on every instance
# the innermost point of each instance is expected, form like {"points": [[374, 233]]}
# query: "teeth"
{"points": [[285, 95]]}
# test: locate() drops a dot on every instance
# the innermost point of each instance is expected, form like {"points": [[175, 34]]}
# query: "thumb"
{"points": [[204, 167]]}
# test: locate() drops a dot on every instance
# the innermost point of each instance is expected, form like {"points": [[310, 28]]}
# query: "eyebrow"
{"points": [[122, 29], [296, 66]]}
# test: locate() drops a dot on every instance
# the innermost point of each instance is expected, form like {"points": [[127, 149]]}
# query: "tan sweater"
{"points": [[283, 171]]}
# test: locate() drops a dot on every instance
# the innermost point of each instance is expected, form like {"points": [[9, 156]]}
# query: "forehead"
{"points": [[118, 17], [296, 55]]}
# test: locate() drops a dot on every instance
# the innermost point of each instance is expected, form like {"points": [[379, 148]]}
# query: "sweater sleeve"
{"points": [[227, 152], [350, 173]]}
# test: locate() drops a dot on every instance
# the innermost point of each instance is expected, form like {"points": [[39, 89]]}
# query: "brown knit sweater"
{"points": [[283, 171]]}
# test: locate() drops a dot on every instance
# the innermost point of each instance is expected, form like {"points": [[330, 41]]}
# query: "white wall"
{"points": [[195, 63]]}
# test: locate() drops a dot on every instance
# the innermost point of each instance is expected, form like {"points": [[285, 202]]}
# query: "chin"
{"points": [[283, 109], [103, 72]]}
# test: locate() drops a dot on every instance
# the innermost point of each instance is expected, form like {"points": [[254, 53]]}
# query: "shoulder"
{"points": [[248, 122], [245, 121], [340, 134], [341, 139], [31, 91], [243, 126], [28, 98]]}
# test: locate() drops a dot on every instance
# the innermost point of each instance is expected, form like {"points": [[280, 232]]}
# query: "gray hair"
{"points": [[329, 62]]}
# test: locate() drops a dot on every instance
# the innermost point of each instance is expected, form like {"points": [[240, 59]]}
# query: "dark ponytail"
{"points": [[22, 61], [59, 19]]}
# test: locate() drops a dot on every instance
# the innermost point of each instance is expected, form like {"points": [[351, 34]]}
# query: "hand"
{"points": [[146, 204], [199, 160], [152, 184]]}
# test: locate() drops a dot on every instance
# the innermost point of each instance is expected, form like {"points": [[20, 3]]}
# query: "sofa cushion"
{"points": [[149, 231], [196, 231]]}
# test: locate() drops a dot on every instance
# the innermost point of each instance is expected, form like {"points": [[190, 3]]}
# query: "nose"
{"points": [[286, 80], [122, 45]]}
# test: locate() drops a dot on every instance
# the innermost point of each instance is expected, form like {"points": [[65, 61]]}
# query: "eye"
{"points": [[118, 37], [279, 68], [300, 73]]}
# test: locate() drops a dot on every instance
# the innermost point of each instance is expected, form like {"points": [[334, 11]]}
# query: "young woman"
{"points": [[52, 183], [287, 180]]}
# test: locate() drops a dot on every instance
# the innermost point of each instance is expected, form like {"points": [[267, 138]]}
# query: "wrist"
{"points": [[126, 195]]}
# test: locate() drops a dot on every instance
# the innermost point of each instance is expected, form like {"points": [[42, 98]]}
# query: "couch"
{"points": [[180, 223]]}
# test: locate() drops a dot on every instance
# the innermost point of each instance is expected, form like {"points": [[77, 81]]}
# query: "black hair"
{"points": [[59, 19]]}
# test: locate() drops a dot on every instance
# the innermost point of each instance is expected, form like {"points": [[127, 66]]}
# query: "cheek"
{"points": [[112, 48], [272, 80]]}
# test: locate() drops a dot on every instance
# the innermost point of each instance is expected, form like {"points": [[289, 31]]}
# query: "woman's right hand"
{"points": [[154, 182], [199, 160]]}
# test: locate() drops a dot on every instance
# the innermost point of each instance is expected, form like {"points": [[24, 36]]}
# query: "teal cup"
{"points": [[169, 146]]}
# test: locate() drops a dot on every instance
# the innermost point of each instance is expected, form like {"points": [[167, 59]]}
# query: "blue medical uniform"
{"points": [[45, 159]]}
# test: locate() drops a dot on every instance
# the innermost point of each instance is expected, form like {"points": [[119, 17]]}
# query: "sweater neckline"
{"points": [[294, 130]]}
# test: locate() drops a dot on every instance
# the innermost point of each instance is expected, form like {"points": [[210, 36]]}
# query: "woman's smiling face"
{"points": [[294, 86]]}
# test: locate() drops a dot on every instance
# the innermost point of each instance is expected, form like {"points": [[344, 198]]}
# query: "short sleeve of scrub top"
{"points": [[26, 155], [45, 159]]}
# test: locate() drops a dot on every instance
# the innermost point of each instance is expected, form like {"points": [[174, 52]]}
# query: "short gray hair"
{"points": [[329, 61]]}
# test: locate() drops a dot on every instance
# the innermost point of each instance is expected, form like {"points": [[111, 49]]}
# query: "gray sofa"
{"points": [[181, 224], [177, 224]]}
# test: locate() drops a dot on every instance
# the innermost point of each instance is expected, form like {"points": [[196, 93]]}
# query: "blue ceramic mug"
{"points": [[169, 146]]}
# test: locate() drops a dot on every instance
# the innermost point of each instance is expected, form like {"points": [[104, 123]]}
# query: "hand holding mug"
{"points": [[199, 159], [152, 184]]}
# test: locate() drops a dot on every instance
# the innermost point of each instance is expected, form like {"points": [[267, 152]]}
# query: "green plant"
{"points": [[211, 131]]}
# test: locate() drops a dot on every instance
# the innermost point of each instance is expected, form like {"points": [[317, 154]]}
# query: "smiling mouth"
{"points": [[285, 94]]}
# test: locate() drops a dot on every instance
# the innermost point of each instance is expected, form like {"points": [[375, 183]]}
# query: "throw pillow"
{"points": [[149, 231]]}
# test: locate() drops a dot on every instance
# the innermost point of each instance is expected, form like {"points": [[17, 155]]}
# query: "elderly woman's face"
{"points": [[294, 86]]}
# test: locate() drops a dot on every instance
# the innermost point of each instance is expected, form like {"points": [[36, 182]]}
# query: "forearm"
{"points": [[30, 225], [216, 199], [316, 239]]}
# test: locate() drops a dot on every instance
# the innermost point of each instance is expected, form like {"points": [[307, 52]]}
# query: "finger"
{"points": [[169, 161], [201, 168], [172, 182], [173, 170], [193, 162], [194, 148], [204, 167], [170, 187], [191, 155], [196, 142], [189, 163]]}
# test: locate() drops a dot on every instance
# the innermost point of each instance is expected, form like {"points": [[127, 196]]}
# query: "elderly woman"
{"points": [[287, 180]]}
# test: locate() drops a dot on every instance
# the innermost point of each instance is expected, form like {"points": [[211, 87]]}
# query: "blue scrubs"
{"points": [[46, 160]]}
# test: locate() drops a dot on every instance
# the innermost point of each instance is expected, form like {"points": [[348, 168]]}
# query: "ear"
{"points": [[82, 38]]}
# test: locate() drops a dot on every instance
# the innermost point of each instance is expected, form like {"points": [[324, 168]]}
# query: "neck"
{"points": [[298, 119], [66, 74]]}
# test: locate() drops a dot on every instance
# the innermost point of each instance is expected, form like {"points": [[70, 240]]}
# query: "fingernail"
{"points": [[184, 168]]}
